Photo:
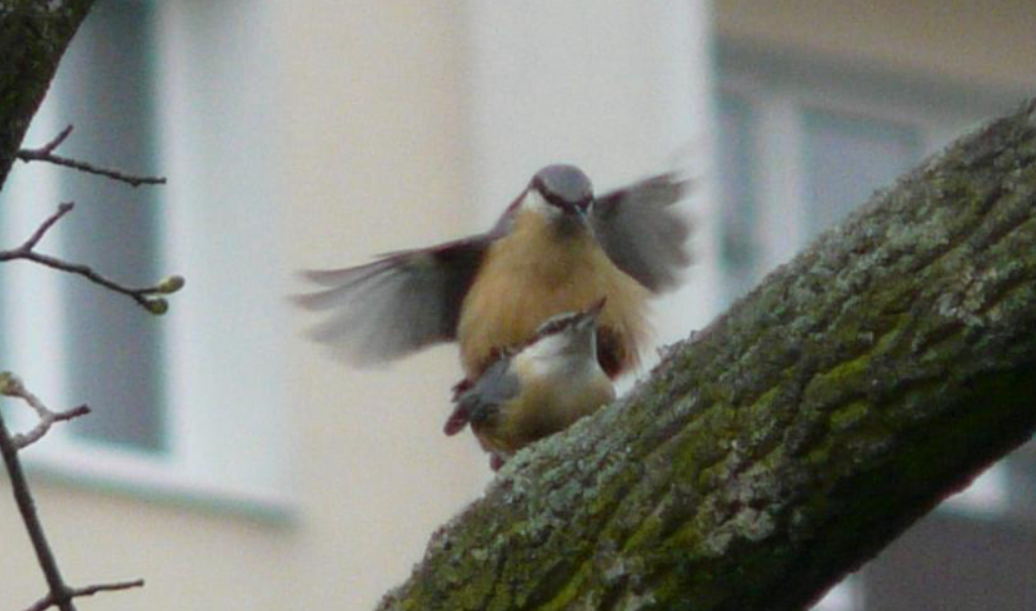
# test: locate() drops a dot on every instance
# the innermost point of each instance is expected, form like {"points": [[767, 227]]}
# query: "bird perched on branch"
{"points": [[556, 249], [536, 390]]}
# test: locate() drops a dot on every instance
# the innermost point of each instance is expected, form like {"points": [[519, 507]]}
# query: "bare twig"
{"points": [[55, 143], [37, 432], [145, 296], [63, 209], [27, 508], [60, 594], [49, 600], [13, 387], [46, 153]]}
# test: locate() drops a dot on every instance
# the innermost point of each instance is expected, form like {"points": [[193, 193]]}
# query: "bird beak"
{"points": [[581, 213], [589, 318], [596, 308]]}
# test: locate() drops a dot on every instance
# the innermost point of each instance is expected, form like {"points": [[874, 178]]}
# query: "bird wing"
{"points": [[641, 233], [480, 400], [402, 302]]}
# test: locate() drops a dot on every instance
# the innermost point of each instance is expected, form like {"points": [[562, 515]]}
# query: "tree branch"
{"points": [[49, 600], [799, 433], [33, 37], [46, 153], [11, 386], [27, 508], [50, 146], [60, 594], [145, 296]]}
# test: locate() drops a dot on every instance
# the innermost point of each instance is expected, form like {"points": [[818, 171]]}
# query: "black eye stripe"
{"points": [[558, 325], [550, 196], [554, 199]]}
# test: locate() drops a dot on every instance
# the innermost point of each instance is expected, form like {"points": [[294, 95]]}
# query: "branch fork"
{"points": [[46, 153], [147, 297], [60, 594]]}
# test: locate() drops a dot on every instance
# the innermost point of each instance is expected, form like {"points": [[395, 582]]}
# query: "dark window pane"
{"points": [[113, 346]]}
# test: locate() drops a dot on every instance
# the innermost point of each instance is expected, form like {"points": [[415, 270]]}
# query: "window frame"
{"points": [[776, 83], [222, 454], [779, 88]]}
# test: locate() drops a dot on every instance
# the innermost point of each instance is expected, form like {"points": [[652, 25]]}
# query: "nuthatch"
{"points": [[556, 249], [536, 391]]}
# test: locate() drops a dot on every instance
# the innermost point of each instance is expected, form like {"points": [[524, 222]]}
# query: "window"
{"points": [[185, 406], [846, 156], [802, 143], [113, 352], [738, 178]]}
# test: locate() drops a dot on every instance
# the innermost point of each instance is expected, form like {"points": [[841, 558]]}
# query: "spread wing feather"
{"points": [[400, 303], [641, 232]]}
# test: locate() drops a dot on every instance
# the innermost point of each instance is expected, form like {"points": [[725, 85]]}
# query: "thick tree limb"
{"points": [[799, 433], [33, 37]]}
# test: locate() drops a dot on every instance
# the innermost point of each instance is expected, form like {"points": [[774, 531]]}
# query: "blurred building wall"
{"points": [[316, 134], [979, 43]]}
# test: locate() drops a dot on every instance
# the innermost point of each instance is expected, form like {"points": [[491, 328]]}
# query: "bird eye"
{"points": [[557, 324]]}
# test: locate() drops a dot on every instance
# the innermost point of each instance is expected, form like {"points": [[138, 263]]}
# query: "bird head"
{"points": [[569, 334], [562, 193]]}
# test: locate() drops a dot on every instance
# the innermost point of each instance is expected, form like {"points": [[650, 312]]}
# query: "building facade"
{"points": [[231, 463]]}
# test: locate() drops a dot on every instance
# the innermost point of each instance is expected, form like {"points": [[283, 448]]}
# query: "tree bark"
{"points": [[33, 36], [798, 434]]}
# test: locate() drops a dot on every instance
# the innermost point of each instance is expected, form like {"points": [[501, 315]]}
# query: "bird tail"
{"points": [[461, 415]]}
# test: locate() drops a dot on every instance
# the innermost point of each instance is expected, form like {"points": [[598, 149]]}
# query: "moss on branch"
{"points": [[803, 430]]}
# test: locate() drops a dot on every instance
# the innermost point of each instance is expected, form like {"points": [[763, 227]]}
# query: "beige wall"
{"points": [[191, 559], [368, 148], [376, 158], [331, 131], [396, 142], [984, 43], [369, 154]]}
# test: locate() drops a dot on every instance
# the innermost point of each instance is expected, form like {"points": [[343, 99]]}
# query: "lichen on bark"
{"points": [[800, 432]]}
